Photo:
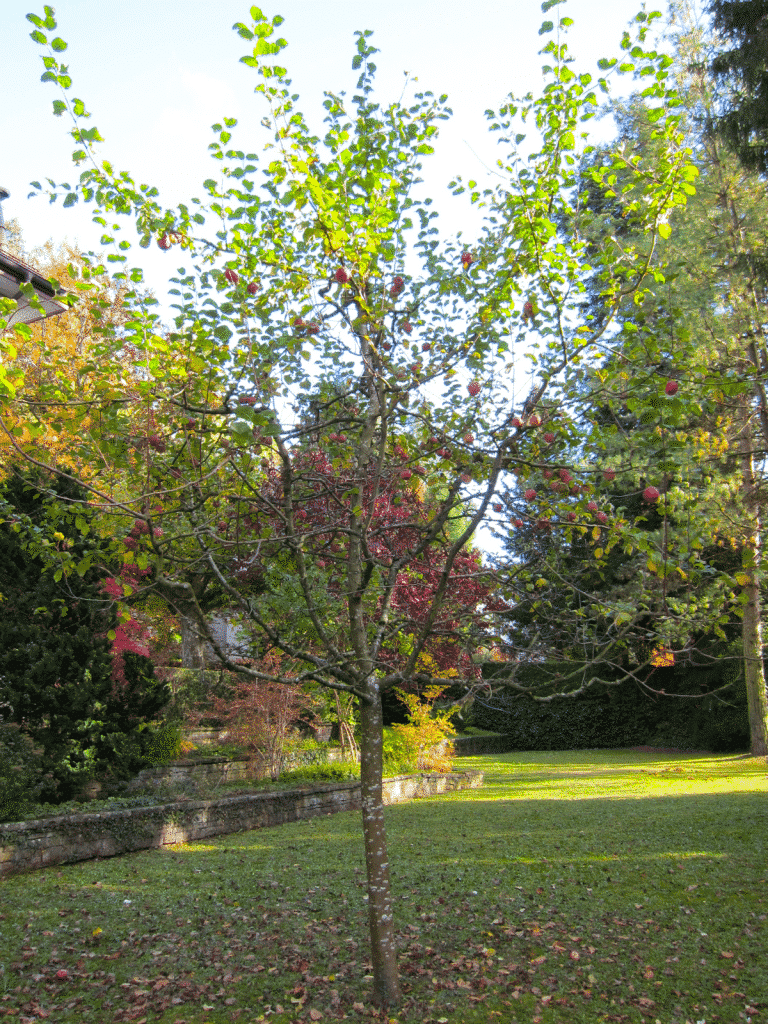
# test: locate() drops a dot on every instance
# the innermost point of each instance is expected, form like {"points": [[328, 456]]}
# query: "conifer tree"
{"points": [[56, 665]]}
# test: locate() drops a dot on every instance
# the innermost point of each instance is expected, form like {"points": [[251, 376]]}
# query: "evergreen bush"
{"points": [[56, 670], [21, 777]]}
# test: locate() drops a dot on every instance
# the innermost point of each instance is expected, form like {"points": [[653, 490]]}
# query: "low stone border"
{"points": [[218, 770], [30, 845]]}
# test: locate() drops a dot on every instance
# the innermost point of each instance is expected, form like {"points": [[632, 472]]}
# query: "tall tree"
{"points": [[305, 278], [719, 295], [742, 115]]}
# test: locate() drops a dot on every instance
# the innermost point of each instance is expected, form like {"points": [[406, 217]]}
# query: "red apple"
{"points": [[592, 506], [609, 474], [651, 494], [164, 243], [530, 494], [549, 438], [426, 347], [468, 439], [517, 522], [341, 275], [406, 474], [497, 507], [397, 287], [474, 389], [671, 387], [572, 517], [407, 327], [528, 311], [231, 275], [62, 975], [252, 287], [601, 517]]}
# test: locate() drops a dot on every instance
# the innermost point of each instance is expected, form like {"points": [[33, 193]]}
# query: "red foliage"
{"points": [[397, 518]]}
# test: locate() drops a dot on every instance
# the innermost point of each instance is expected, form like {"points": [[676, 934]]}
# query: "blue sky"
{"points": [[156, 74]]}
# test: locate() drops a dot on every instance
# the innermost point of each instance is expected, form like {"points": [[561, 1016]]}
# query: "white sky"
{"points": [[155, 75]]}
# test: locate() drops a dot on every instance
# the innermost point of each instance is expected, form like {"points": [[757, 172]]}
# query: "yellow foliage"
{"points": [[662, 657], [426, 730], [426, 663], [51, 413]]}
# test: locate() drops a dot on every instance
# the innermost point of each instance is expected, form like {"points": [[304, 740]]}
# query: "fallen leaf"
{"points": [[315, 1015]]}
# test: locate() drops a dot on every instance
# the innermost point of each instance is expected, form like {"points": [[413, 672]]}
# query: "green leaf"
{"points": [[546, 26], [58, 45], [242, 30], [39, 38], [665, 230]]}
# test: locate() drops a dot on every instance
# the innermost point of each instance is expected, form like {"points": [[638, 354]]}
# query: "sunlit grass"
{"points": [[574, 887]]}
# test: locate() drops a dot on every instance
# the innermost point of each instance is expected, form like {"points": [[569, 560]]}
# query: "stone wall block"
{"points": [[29, 845]]}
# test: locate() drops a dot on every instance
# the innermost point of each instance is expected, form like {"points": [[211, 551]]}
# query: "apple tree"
{"points": [[317, 265]]}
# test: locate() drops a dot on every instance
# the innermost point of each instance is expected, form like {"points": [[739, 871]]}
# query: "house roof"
{"points": [[15, 272]]}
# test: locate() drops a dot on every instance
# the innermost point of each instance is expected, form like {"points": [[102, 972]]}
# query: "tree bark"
{"points": [[386, 985], [192, 644], [752, 627]]}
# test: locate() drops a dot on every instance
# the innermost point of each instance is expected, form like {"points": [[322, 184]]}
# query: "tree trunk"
{"points": [[752, 629], [757, 699], [192, 644], [386, 985]]}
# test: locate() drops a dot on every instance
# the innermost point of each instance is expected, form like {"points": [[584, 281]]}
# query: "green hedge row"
{"points": [[623, 715]]}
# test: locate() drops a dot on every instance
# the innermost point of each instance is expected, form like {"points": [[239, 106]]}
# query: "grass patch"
{"points": [[573, 888]]}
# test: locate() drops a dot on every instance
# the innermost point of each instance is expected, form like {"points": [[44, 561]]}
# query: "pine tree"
{"points": [[744, 68]]}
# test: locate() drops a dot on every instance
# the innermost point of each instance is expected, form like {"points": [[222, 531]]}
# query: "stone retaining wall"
{"points": [[217, 770], [29, 845]]}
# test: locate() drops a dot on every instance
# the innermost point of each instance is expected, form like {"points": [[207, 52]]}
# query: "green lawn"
{"points": [[573, 887]]}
